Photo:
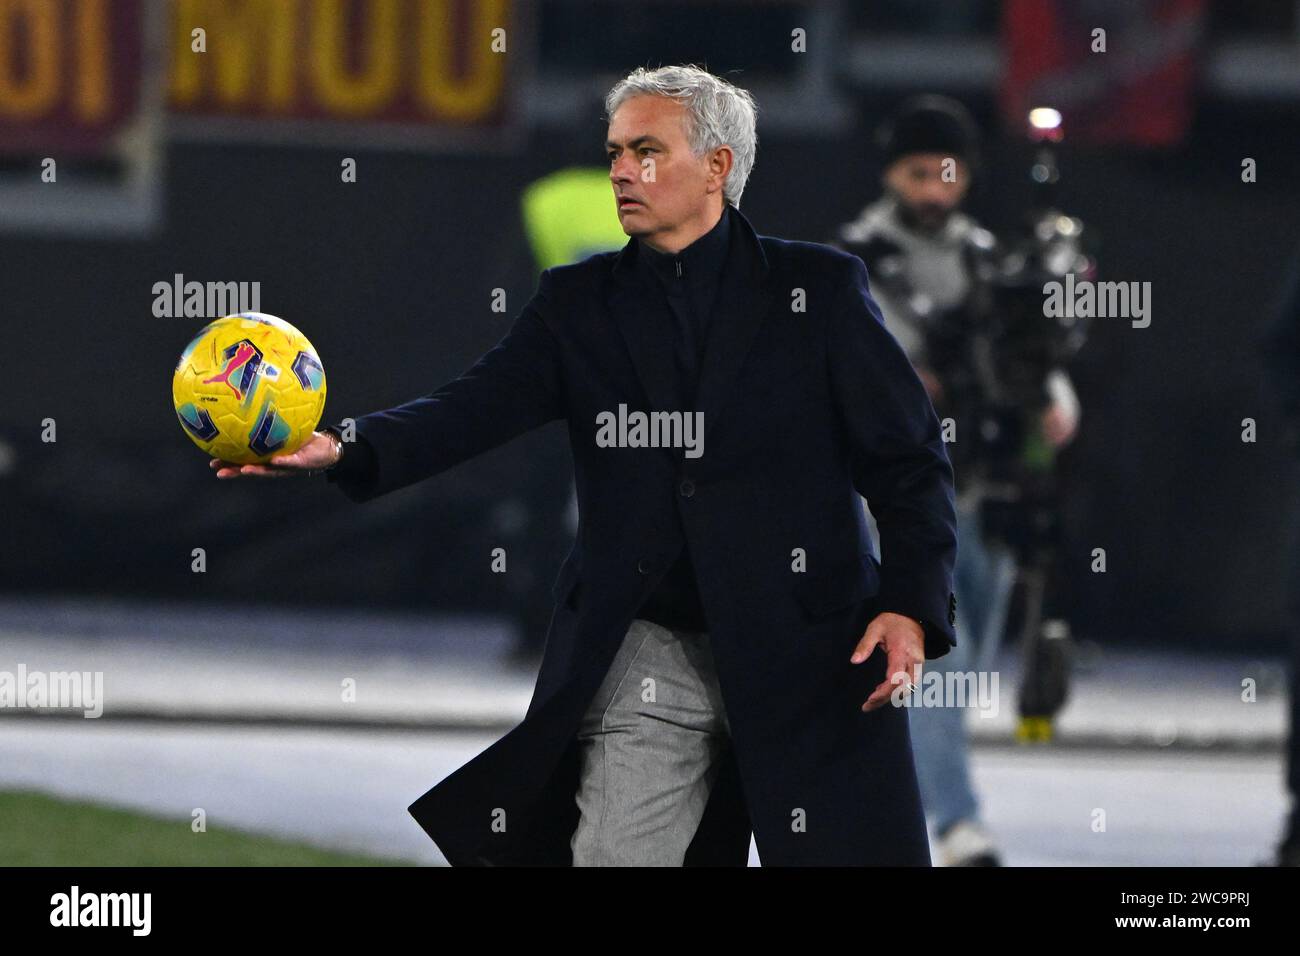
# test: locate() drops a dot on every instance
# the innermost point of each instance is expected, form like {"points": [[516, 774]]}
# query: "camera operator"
{"points": [[930, 264]]}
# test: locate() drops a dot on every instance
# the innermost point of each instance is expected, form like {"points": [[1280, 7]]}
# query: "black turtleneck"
{"points": [[689, 280]]}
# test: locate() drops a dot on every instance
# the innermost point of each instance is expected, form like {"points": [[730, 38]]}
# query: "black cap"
{"points": [[930, 124]]}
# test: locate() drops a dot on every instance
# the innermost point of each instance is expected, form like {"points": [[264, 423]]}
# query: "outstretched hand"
{"points": [[318, 453]]}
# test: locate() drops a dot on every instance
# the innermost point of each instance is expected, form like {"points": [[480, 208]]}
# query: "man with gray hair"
{"points": [[721, 654]]}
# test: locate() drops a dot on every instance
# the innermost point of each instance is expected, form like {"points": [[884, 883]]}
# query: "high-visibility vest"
{"points": [[570, 214]]}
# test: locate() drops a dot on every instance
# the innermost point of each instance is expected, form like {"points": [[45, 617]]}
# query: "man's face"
{"points": [[663, 192], [928, 186]]}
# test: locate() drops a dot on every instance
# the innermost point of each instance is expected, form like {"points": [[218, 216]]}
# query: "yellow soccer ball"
{"points": [[249, 386]]}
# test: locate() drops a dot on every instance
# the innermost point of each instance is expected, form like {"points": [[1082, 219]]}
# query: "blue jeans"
{"points": [[982, 581]]}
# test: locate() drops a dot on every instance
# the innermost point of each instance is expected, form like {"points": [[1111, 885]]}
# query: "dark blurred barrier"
{"points": [[87, 515]]}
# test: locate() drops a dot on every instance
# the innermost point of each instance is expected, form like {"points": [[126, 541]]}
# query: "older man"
{"points": [[720, 654]]}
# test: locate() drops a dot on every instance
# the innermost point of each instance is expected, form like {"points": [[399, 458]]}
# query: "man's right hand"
{"points": [[319, 452]]}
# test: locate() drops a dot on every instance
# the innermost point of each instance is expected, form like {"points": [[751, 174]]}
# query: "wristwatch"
{"points": [[338, 448]]}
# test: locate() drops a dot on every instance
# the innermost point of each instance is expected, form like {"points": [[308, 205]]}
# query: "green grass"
{"points": [[39, 830]]}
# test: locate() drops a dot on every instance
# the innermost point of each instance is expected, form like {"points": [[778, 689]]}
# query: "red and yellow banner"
{"points": [[401, 61], [72, 72]]}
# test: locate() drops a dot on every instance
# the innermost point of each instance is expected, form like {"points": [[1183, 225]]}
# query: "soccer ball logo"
{"points": [[249, 386]]}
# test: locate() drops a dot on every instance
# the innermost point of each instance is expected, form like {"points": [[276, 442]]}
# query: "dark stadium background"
{"points": [[390, 278], [335, 661]]}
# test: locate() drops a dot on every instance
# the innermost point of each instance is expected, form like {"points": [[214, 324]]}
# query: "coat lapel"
{"points": [[743, 301], [645, 329]]}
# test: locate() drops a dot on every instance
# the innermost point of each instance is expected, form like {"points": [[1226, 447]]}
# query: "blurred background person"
{"points": [[569, 215], [925, 258]]}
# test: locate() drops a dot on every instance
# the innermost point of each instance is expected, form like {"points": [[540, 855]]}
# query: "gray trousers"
{"points": [[649, 745]]}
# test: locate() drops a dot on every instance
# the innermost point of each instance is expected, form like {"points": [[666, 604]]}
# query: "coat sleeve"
{"points": [[511, 389], [898, 459]]}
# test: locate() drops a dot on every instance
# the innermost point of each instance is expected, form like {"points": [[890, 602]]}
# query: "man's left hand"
{"points": [[904, 642]]}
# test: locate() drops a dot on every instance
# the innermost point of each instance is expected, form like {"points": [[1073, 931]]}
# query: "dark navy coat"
{"points": [[807, 402]]}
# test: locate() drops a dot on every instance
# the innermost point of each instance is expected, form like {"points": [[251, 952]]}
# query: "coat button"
{"points": [[645, 565], [686, 488]]}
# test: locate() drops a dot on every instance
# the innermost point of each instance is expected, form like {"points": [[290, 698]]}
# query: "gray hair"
{"points": [[717, 114]]}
